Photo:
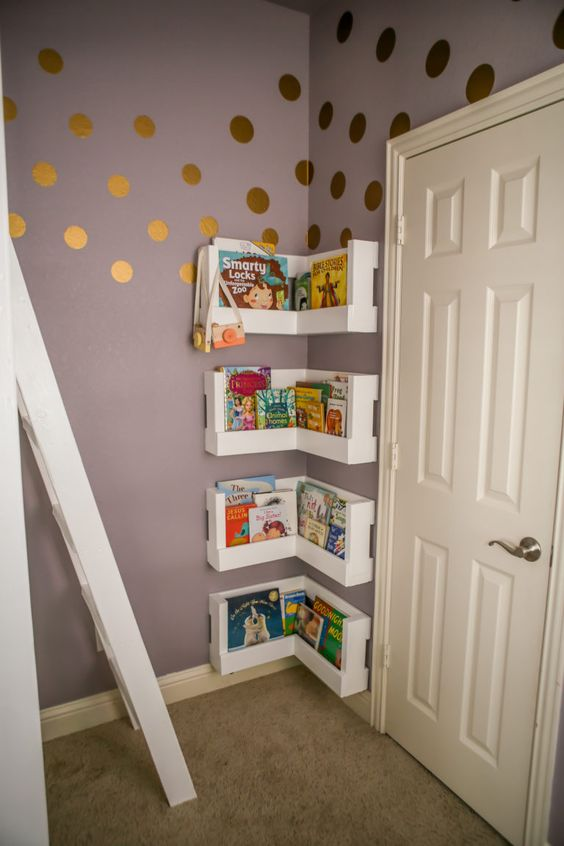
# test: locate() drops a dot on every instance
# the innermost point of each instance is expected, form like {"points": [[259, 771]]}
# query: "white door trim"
{"points": [[541, 90]]}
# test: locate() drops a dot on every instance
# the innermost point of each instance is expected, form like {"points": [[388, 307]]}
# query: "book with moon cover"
{"points": [[254, 618]]}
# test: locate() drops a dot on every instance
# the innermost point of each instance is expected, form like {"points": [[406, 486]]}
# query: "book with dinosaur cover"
{"points": [[276, 408], [258, 281], [332, 642], [329, 282], [237, 524], [253, 618], [240, 491], [241, 384]]}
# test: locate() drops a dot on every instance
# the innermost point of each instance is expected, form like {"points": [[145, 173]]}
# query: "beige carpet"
{"points": [[279, 760]]}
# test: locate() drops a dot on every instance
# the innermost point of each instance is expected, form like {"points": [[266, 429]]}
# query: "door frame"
{"points": [[539, 91]]}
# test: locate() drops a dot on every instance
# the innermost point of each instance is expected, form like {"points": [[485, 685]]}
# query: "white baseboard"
{"points": [[105, 707]]}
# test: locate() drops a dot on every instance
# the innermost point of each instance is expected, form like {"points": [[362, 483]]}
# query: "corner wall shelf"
{"points": [[351, 678], [356, 568], [358, 447]]}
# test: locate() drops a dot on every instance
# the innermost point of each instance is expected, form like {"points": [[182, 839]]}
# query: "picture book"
{"points": [[255, 281], [253, 618], [237, 524], [290, 600], [240, 245], [332, 643], [267, 522], [338, 389], [322, 387], [301, 414], [315, 531], [313, 502], [305, 393], [338, 516], [315, 416], [240, 491], [336, 417], [241, 383], [276, 408], [309, 625], [336, 541], [302, 292], [329, 281], [284, 497]]}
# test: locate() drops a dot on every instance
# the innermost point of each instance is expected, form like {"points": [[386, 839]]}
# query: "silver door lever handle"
{"points": [[529, 548]]}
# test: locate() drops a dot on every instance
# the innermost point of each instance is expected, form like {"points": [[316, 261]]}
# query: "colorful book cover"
{"points": [[301, 414], [336, 541], [329, 282], [253, 618], [241, 383], [276, 408], [315, 531], [290, 600], [323, 387], [315, 413], [338, 388], [282, 497], [240, 491], [336, 417], [237, 524], [338, 516], [267, 522], [255, 281], [306, 393], [309, 624], [302, 292], [315, 502], [332, 643]]}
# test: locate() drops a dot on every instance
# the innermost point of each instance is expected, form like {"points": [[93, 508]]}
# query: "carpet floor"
{"points": [[274, 761]]}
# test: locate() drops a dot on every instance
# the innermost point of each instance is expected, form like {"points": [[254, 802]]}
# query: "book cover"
{"points": [[322, 387], [305, 393], [237, 524], [315, 414], [240, 245], [336, 417], [302, 292], [329, 282], [290, 600], [332, 643], [253, 618], [241, 383], [315, 502], [338, 389], [284, 497], [267, 522], [255, 281], [301, 414], [338, 516], [309, 624], [315, 531], [240, 491], [336, 541], [276, 408]]}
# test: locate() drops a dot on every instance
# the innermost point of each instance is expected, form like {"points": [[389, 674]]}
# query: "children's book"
{"points": [[336, 541], [323, 387], [305, 393], [338, 516], [313, 502], [332, 643], [301, 414], [253, 618], [241, 383], [276, 408], [290, 600], [240, 491], [338, 389], [315, 416], [258, 281], [329, 281], [315, 531], [336, 417], [284, 497], [309, 625], [240, 245], [302, 292], [267, 522], [237, 524]]}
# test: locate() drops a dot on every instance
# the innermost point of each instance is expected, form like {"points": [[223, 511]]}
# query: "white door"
{"points": [[479, 423]]}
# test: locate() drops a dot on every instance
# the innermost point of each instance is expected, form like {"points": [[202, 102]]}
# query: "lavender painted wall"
{"points": [[132, 384], [515, 37]]}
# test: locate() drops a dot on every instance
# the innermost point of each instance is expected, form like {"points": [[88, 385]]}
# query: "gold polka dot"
{"points": [[258, 200], [187, 272], [289, 87], [437, 58], [270, 236], [144, 126], [357, 128], [242, 129], [346, 236], [17, 225], [304, 172], [191, 174], [50, 61], [344, 27], [80, 125], [400, 124], [480, 83], [373, 195], [75, 237], [10, 109], [158, 230], [325, 115], [209, 226], [313, 236], [386, 44], [338, 184], [118, 185], [122, 271], [558, 31], [44, 174]]}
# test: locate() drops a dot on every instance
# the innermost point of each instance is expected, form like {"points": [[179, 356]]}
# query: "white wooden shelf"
{"points": [[356, 568], [351, 678], [358, 447], [360, 315]]}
